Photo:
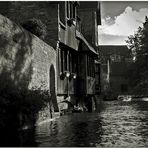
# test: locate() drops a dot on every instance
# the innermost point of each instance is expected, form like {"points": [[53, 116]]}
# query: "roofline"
{"points": [[81, 37]]}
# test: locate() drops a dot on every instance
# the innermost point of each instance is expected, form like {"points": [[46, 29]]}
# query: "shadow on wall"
{"points": [[18, 105]]}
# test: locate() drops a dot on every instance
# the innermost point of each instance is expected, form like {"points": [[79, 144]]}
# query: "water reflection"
{"points": [[73, 130], [117, 124], [124, 124]]}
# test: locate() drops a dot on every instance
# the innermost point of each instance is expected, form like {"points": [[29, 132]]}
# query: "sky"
{"points": [[120, 19]]}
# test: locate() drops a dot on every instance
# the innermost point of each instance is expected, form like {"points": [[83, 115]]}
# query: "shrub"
{"points": [[36, 27], [26, 103]]}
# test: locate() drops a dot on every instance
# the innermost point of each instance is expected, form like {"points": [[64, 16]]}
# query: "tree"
{"points": [[134, 42], [138, 70], [36, 27]]}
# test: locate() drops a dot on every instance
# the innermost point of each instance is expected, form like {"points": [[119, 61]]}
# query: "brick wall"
{"points": [[25, 56], [25, 60]]}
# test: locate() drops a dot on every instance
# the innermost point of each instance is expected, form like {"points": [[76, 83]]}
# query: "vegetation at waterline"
{"points": [[19, 108], [138, 70]]}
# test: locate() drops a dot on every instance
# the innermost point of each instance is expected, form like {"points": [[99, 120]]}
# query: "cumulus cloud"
{"points": [[106, 39], [125, 24]]}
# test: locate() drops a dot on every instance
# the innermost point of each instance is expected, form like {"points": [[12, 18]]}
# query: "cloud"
{"points": [[106, 39], [125, 24]]}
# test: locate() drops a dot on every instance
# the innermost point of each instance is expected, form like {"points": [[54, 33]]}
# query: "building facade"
{"points": [[76, 52], [114, 68]]}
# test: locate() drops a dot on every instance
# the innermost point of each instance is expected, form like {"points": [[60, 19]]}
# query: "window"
{"points": [[71, 10], [90, 66], [62, 12], [115, 58], [62, 60], [72, 62], [74, 12], [67, 61], [67, 7]]}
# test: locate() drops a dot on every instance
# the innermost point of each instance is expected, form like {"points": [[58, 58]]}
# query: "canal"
{"points": [[116, 124]]}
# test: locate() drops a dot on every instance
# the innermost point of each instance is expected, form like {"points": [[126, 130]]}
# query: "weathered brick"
{"points": [[25, 60]]}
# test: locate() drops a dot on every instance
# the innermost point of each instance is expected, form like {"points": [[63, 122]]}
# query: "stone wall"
{"points": [[25, 60]]}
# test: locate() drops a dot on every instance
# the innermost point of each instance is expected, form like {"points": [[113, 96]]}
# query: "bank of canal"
{"points": [[117, 124]]}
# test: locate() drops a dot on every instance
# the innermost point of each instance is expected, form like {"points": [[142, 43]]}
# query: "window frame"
{"points": [[90, 66]]}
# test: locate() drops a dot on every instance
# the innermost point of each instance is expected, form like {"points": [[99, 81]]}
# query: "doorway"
{"points": [[52, 89]]}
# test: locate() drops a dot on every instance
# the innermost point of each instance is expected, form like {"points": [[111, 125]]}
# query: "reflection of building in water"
{"points": [[114, 64]]}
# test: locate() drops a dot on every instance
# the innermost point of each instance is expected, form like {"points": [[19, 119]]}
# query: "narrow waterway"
{"points": [[116, 124]]}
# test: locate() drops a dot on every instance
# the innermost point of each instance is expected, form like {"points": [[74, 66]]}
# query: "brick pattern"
{"points": [[25, 60]]}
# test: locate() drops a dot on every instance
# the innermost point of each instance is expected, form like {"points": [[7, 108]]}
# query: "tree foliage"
{"points": [[36, 27], [138, 70]]}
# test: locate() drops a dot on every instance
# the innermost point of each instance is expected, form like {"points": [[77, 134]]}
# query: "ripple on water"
{"points": [[118, 124]]}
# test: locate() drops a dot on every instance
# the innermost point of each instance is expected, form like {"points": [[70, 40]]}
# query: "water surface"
{"points": [[116, 124]]}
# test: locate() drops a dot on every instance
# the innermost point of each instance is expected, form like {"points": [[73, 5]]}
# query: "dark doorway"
{"points": [[52, 89]]}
